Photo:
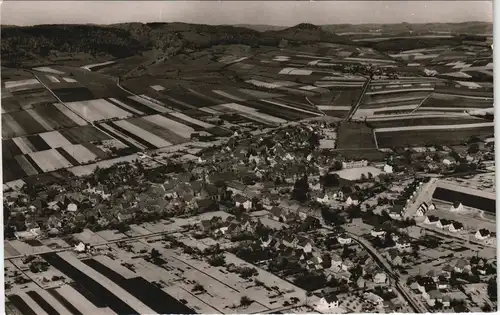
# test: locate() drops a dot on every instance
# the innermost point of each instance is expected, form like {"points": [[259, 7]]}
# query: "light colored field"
{"points": [[263, 84], [252, 112], [21, 83], [48, 70], [89, 67], [53, 79], [308, 87], [210, 111], [230, 96], [149, 103], [471, 85], [24, 145], [260, 94], [172, 125], [129, 108], [440, 127], [333, 107], [143, 134], [10, 127], [55, 139], [294, 71], [26, 165], [192, 120], [26, 249], [32, 304], [87, 236], [80, 153], [157, 87], [84, 170], [50, 160], [79, 121], [81, 303], [69, 80], [39, 119], [99, 109], [421, 89], [355, 173]]}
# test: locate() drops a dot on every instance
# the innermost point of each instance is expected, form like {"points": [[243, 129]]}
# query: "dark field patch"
{"points": [[10, 149], [396, 96], [429, 137], [95, 149], [423, 121], [54, 117], [10, 104], [337, 113], [468, 200], [347, 97], [219, 132], [277, 111], [158, 130], [392, 111], [34, 164], [43, 304], [136, 105], [188, 98], [84, 134], [19, 303], [355, 136], [181, 121], [101, 295], [29, 124], [144, 291], [392, 104], [457, 102], [38, 142], [74, 94], [68, 156], [11, 170], [61, 299]]}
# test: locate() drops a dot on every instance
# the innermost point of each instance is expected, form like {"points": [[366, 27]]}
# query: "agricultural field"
{"points": [[418, 120], [353, 135], [437, 100], [426, 137]]}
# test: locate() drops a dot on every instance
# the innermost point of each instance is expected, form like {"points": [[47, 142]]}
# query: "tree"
{"points": [[337, 166], [245, 301], [301, 189], [155, 254], [473, 148], [363, 177], [370, 175]]}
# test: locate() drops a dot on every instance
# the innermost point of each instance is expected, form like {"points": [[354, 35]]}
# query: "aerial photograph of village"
{"points": [[185, 158]]}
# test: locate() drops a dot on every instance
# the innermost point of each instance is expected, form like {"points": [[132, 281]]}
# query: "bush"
{"points": [[245, 301]]}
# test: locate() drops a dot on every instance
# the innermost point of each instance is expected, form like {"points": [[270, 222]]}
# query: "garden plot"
{"points": [[99, 109], [49, 160], [48, 70]]}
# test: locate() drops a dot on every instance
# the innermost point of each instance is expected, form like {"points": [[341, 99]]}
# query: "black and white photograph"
{"points": [[248, 157]]}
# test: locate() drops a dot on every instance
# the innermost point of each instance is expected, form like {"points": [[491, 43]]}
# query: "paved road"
{"points": [[358, 103]]}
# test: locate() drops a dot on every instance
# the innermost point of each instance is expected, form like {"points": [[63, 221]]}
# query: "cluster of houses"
{"points": [[444, 224], [399, 208]]}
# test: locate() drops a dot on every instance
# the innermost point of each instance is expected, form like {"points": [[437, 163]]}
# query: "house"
{"points": [[396, 212], [304, 244], [361, 283], [373, 298], [403, 244], [351, 201], [443, 224], [205, 225], [456, 227], [434, 296], [336, 261], [380, 278], [24, 235], [72, 207], [242, 201], [290, 241], [377, 232], [328, 303], [462, 265], [431, 220], [344, 239], [315, 263], [347, 264], [482, 234], [457, 207], [125, 215], [277, 214], [394, 257], [388, 169], [422, 210]]}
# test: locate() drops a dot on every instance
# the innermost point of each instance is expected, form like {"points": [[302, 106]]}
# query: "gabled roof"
{"points": [[331, 298], [457, 225], [484, 232]]}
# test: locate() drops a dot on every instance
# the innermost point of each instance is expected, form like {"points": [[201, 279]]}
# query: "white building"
{"points": [[388, 169], [328, 303], [354, 164]]}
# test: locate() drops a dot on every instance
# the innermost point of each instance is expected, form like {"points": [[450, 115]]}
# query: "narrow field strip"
{"points": [[229, 96], [333, 107], [24, 145], [164, 122], [159, 131], [48, 70], [439, 127], [74, 117], [78, 301], [423, 89], [32, 304], [122, 137], [11, 128], [98, 109], [252, 113], [53, 79], [125, 106], [203, 96], [58, 307], [290, 107], [70, 158], [50, 160], [35, 296], [149, 104], [39, 119], [192, 120], [210, 110], [26, 165], [20, 83], [70, 80], [143, 134]]}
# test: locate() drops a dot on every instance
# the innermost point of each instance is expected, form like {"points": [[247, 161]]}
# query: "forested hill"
{"points": [[120, 40]]}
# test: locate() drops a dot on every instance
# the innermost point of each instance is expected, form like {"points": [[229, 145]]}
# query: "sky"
{"points": [[282, 13]]}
